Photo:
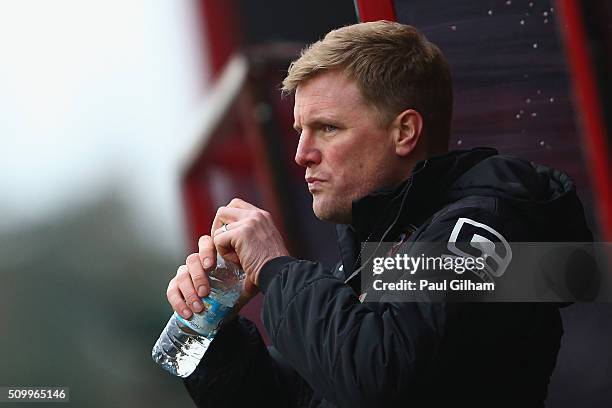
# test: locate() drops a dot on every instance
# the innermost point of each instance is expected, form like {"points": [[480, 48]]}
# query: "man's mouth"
{"points": [[312, 179], [314, 182]]}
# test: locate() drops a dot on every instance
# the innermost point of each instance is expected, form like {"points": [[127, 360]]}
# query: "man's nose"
{"points": [[307, 153]]}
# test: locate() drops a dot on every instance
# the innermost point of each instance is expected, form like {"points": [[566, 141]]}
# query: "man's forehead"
{"points": [[328, 85], [312, 105], [328, 94]]}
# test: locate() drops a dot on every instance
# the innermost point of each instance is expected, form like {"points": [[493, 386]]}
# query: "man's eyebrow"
{"points": [[318, 120]]}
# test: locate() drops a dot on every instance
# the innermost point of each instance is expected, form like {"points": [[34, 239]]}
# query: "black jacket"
{"points": [[332, 350]]}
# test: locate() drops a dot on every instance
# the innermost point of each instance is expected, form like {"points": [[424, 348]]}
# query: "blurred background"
{"points": [[124, 125]]}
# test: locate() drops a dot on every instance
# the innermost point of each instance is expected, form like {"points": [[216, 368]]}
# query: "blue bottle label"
{"points": [[206, 322]]}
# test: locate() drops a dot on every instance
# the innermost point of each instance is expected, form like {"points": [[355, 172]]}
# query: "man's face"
{"points": [[346, 152]]}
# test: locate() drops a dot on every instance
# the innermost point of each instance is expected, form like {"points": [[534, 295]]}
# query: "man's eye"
{"points": [[329, 128]]}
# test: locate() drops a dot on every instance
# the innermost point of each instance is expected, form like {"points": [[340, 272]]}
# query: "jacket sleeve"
{"points": [[238, 371], [354, 354]]}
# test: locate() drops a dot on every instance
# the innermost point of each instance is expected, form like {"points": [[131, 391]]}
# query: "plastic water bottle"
{"points": [[183, 342]]}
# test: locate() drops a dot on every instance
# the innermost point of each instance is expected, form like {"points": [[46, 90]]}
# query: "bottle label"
{"points": [[208, 321]]}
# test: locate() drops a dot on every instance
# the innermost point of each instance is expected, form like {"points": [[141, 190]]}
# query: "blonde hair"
{"points": [[394, 66]]}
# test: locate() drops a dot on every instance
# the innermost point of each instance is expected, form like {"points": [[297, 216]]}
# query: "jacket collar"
{"points": [[412, 201], [416, 198]]}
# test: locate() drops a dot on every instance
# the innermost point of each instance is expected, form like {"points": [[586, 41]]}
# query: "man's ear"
{"points": [[407, 131]]}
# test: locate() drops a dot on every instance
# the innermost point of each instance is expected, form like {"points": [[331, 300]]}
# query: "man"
{"points": [[373, 106]]}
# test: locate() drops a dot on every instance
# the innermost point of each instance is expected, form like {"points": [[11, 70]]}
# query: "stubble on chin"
{"points": [[336, 212]]}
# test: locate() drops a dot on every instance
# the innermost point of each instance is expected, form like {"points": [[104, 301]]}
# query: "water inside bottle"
{"points": [[183, 343], [181, 349]]}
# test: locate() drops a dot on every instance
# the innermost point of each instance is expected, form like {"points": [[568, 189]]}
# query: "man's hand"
{"points": [[251, 230], [249, 238], [191, 281]]}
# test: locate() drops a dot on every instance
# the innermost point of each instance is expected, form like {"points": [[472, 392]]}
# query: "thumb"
{"points": [[229, 255]]}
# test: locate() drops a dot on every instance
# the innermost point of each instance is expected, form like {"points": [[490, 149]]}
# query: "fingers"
{"points": [[199, 278], [226, 215], [225, 242], [225, 239], [181, 292], [175, 297], [235, 210], [185, 286], [207, 252], [238, 203], [191, 282]]}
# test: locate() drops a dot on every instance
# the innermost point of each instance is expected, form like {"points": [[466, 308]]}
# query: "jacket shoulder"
{"points": [[485, 214]]}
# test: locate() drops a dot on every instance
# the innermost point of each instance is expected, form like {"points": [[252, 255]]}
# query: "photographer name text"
{"points": [[427, 285]]}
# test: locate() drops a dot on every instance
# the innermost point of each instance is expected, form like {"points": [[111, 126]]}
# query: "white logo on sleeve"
{"points": [[474, 239]]}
